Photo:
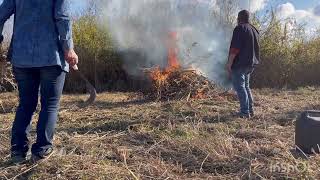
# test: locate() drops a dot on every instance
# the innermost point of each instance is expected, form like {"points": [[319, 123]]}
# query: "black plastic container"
{"points": [[307, 136]]}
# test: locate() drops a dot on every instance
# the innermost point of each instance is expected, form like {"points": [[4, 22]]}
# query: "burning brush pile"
{"points": [[175, 82], [178, 83]]}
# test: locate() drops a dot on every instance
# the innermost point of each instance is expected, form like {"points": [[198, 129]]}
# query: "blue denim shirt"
{"points": [[42, 32]]}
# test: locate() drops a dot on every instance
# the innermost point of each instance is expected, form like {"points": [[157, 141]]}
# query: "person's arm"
{"points": [[232, 55], [64, 25], [6, 10], [234, 49]]}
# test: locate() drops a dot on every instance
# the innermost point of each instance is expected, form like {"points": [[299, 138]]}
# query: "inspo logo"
{"points": [[287, 168]]}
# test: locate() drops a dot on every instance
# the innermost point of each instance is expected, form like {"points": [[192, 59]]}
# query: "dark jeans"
{"points": [[241, 84], [50, 81]]}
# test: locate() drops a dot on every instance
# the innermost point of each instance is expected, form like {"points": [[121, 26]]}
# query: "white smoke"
{"points": [[257, 5], [140, 29]]}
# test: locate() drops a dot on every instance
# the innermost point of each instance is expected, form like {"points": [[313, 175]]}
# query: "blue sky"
{"points": [[303, 4], [299, 4]]}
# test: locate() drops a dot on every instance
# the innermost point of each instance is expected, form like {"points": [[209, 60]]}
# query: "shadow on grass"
{"points": [[288, 118], [7, 109], [219, 118], [117, 126], [124, 104], [18, 171], [107, 105]]}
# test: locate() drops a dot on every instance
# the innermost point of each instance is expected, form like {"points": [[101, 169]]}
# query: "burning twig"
{"points": [[179, 84]]}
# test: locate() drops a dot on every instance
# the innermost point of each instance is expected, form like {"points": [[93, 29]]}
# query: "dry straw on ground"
{"points": [[124, 136], [6, 77]]}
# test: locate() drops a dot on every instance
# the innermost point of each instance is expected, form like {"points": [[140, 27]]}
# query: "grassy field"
{"points": [[123, 136]]}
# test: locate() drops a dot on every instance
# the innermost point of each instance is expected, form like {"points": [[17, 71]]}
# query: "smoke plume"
{"points": [[141, 28]]}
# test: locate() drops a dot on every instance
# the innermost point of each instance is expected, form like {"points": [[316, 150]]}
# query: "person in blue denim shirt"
{"points": [[40, 52], [244, 56]]}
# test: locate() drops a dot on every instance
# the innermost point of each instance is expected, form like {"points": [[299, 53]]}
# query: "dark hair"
{"points": [[244, 16]]}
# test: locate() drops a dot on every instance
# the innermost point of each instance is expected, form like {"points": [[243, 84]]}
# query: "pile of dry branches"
{"points": [[180, 84], [7, 82]]}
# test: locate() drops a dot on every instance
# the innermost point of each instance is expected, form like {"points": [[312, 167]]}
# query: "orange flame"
{"points": [[173, 61], [160, 76]]}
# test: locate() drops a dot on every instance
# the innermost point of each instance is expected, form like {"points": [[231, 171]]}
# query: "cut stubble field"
{"points": [[124, 136]]}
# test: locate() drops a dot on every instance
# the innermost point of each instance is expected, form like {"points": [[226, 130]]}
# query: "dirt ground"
{"points": [[124, 136]]}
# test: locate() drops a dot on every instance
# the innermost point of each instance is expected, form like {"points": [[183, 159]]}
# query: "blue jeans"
{"points": [[241, 84], [49, 81]]}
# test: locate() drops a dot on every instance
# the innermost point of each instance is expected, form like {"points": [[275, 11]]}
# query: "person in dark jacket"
{"points": [[243, 57], [41, 51]]}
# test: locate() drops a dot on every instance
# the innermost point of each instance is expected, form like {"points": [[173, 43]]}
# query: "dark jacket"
{"points": [[245, 42]]}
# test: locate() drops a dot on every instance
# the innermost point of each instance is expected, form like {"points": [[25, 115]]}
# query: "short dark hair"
{"points": [[244, 16]]}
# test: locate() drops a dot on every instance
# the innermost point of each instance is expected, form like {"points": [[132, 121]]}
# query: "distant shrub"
{"points": [[98, 58], [289, 58]]}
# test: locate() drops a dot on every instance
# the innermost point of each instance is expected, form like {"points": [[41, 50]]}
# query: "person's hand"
{"points": [[71, 57], [229, 70]]}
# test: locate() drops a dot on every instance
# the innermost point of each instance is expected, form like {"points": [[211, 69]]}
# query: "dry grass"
{"points": [[7, 82], [123, 136]]}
